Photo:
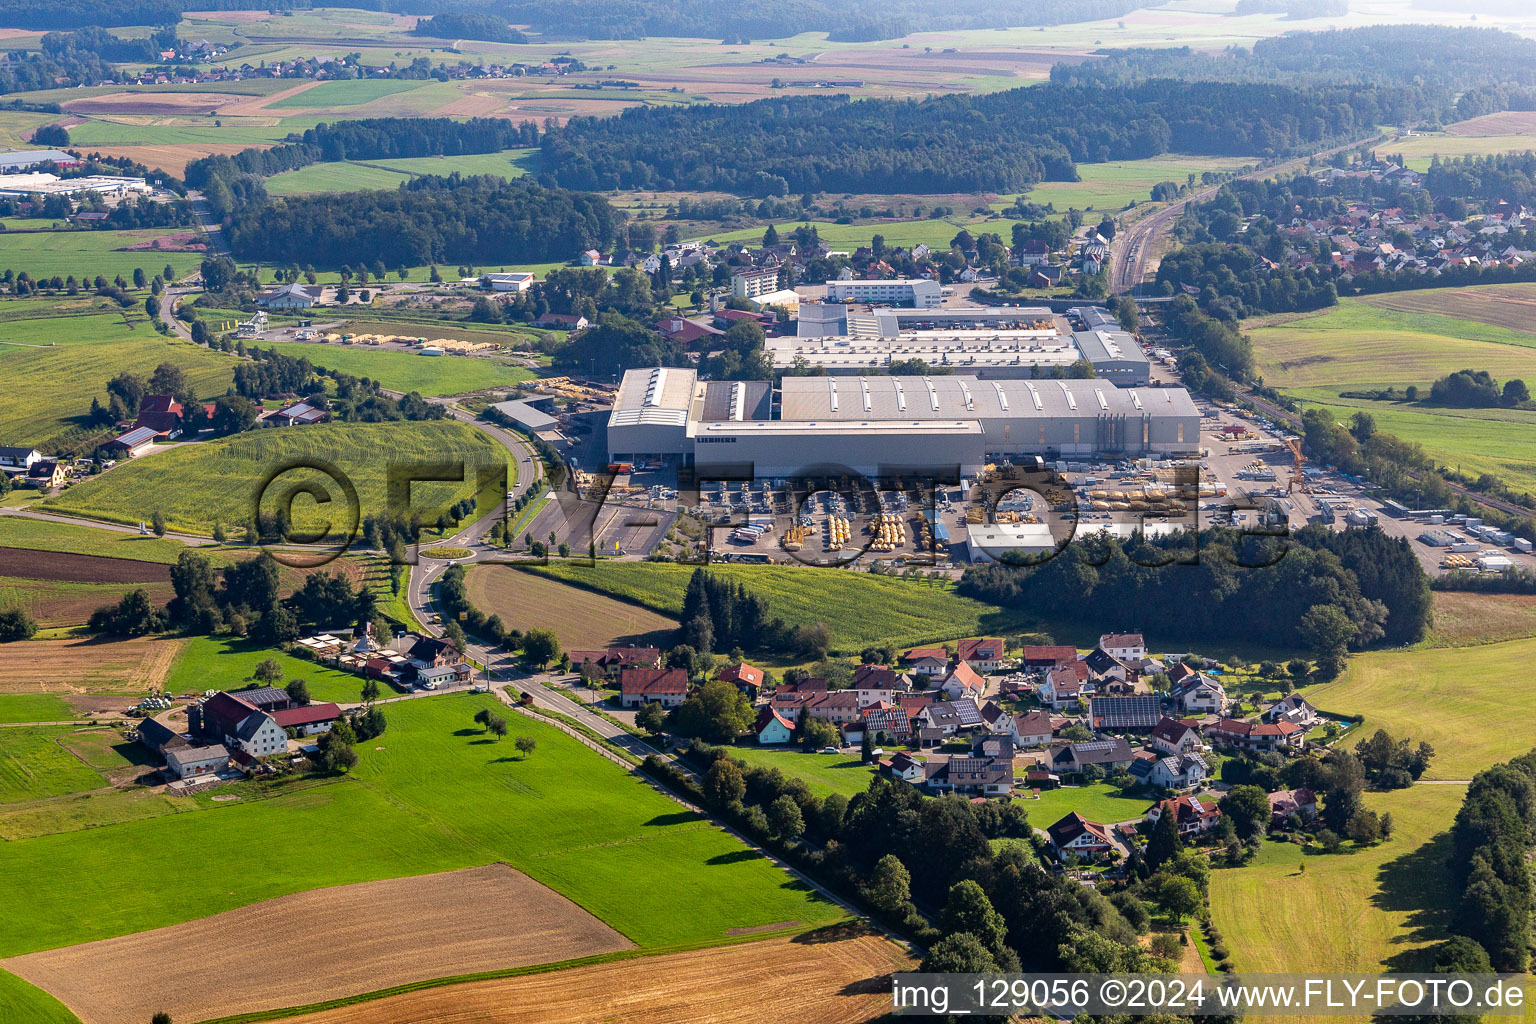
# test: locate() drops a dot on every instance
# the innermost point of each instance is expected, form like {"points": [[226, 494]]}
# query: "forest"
{"points": [[1320, 590], [465, 25], [1000, 142], [430, 219]]}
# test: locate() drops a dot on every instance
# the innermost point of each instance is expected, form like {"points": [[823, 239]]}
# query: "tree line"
{"points": [[1492, 841], [465, 25], [1325, 592], [427, 220], [1001, 142]]}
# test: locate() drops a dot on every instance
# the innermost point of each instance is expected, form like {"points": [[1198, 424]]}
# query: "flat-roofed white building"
{"points": [[917, 292], [510, 282], [650, 413], [754, 281]]}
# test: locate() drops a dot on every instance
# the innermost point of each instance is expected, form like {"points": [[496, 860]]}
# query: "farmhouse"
{"points": [[1076, 836], [746, 678], [162, 414], [614, 659], [667, 687], [247, 731], [46, 473], [1039, 658]]}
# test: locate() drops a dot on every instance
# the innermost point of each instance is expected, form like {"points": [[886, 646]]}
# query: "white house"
{"points": [[18, 460], [1199, 694], [962, 681], [1031, 729], [1171, 736], [1128, 647], [1076, 835], [1060, 688], [1179, 771]]}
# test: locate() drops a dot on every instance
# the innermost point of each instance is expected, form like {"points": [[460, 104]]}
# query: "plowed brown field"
{"points": [[808, 980], [319, 945], [74, 665]]}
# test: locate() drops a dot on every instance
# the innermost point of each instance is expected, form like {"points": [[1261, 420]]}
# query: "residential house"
{"points": [[1174, 736], [1076, 836], [1257, 736], [984, 654], [1110, 755], [962, 681], [746, 678], [1061, 688], [840, 707], [1292, 708], [772, 728], [187, 762], [1285, 802], [1176, 771], [1031, 729], [1192, 814], [309, 720], [905, 767], [1125, 714], [984, 776], [1199, 694], [665, 686], [1043, 658], [612, 659], [17, 460], [877, 683], [1124, 646], [46, 474], [927, 661], [591, 258], [889, 719], [1103, 665], [996, 721]]}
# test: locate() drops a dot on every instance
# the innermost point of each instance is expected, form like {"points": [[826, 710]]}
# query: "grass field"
{"points": [[229, 664], [858, 608], [48, 390], [1461, 700], [1099, 802], [407, 371], [353, 176], [1363, 910], [40, 535], [88, 253], [34, 707], [218, 481], [1115, 185], [825, 774], [345, 94], [20, 1001], [563, 815], [34, 765], [1465, 618], [582, 619], [1398, 340]]}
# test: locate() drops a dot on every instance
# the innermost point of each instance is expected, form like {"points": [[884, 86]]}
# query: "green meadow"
{"points": [[34, 765], [1359, 346], [1117, 184], [197, 485], [34, 707], [407, 371], [1099, 802], [351, 93], [42, 535], [433, 793], [825, 774], [230, 664], [859, 609], [85, 254], [354, 176]]}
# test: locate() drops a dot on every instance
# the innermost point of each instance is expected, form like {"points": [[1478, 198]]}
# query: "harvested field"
{"points": [[173, 158], [60, 565], [1509, 122], [52, 603], [152, 103], [583, 620], [1465, 618], [838, 976], [1502, 305], [81, 666], [322, 944]]}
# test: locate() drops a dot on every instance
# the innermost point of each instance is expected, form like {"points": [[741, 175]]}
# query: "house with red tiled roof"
{"points": [[1036, 657], [1285, 802], [1175, 736], [1257, 736], [308, 720], [962, 681], [1193, 814], [772, 728], [665, 686], [1075, 835], [983, 653], [746, 678]]}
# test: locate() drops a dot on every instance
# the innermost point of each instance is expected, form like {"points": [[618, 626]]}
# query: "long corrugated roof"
{"points": [[958, 397]]}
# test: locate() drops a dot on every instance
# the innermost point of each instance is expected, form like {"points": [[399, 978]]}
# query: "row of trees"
{"points": [[1491, 842], [720, 615]]}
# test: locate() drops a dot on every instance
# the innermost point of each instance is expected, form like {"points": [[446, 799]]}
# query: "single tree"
{"points": [[651, 717], [784, 818], [525, 745], [298, 691], [1178, 896], [498, 726], [268, 671], [157, 523], [370, 691], [890, 885]]}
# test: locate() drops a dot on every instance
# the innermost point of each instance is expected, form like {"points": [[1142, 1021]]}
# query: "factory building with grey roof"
{"points": [[882, 425]]}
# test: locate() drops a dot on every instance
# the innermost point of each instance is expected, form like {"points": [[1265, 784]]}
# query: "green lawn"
{"points": [[1361, 346], [33, 765], [219, 480], [407, 371], [1115, 185], [1419, 152], [1099, 802], [34, 707], [195, 131], [229, 664], [858, 608], [1462, 700], [825, 774], [432, 794], [21, 1001], [1364, 910], [88, 253]]}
